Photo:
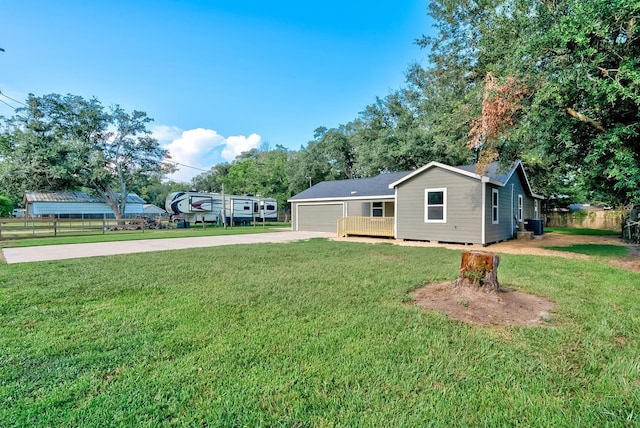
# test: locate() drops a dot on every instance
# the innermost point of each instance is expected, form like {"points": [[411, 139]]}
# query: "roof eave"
{"points": [[439, 165], [343, 198]]}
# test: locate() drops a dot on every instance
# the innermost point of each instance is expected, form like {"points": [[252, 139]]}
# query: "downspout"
{"points": [[511, 210], [484, 210], [395, 212]]}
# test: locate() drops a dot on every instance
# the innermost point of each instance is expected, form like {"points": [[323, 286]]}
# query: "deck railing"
{"points": [[366, 226]]}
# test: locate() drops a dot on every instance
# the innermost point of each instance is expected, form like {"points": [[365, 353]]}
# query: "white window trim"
{"points": [[377, 208], [496, 206], [444, 205], [520, 207]]}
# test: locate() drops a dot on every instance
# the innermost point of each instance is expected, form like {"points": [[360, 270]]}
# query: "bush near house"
{"points": [[6, 207]]}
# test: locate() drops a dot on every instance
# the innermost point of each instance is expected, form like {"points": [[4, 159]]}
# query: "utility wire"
{"points": [[188, 166], [6, 103], [12, 99]]}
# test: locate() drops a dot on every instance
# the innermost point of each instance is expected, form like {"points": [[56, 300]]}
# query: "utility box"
{"points": [[534, 225]]}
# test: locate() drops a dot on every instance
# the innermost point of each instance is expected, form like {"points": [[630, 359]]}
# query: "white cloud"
{"points": [[199, 149], [238, 144], [165, 133]]}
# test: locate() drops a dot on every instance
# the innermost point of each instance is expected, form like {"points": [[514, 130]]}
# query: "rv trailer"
{"points": [[197, 207]]}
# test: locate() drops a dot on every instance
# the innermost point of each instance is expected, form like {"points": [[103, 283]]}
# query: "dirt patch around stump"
{"points": [[462, 303]]}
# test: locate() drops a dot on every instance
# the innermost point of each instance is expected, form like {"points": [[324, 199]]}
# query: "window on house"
{"points": [[535, 209], [435, 209], [377, 209], [494, 206], [520, 207]]}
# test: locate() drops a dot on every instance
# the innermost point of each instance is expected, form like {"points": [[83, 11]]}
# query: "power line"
{"points": [[7, 104], [188, 166], [12, 99]]}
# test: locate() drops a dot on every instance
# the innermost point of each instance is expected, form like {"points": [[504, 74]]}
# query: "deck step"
{"points": [[525, 235]]}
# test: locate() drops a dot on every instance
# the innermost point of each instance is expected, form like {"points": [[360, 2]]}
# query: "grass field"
{"points": [[578, 231], [595, 250], [314, 333]]}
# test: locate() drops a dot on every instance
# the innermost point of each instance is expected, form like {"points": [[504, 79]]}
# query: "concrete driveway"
{"points": [[73, 251]]}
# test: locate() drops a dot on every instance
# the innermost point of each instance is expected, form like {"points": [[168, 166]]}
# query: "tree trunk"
{"points": [[479, 269]]}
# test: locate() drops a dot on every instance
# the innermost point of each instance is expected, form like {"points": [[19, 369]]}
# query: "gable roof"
{"points": [[383, 185], [153, 209], [74, 197], [468, 170], [495, 174], [357, 188]]}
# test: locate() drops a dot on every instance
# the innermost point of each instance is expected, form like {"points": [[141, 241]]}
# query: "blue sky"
{"points": [[217, 77]]}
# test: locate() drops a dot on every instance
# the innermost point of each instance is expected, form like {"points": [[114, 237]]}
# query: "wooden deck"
{"points": [[366, 226]]}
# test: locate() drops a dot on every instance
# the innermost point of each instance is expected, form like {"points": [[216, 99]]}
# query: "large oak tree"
{"points": [[70, 143]]}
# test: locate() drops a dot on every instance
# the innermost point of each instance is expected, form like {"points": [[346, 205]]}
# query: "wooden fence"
{"points": [[366, 226], [16, 228], [606, 220]]}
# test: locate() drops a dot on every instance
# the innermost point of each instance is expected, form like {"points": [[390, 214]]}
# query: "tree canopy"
{"points": [[6, 207], [575, 62], [70, 143]]}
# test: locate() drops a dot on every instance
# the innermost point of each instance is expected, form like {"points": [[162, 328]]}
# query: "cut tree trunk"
{"points": [[479, 269]]}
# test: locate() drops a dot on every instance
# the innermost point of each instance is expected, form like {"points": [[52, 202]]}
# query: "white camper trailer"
{"points": [[199, 207]]}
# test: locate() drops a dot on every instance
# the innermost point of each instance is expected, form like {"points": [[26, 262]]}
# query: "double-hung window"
{"points": [[520, 207], [435, 207], [495, 215]]}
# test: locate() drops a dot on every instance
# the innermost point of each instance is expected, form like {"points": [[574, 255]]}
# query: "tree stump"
{"points": [[479, 269]]}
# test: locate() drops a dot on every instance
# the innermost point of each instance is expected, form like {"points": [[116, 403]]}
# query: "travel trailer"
{"points": [[197, 207]]}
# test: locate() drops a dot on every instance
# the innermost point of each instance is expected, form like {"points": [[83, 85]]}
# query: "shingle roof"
{"points": [[76, 197], [494, 171], [355, 188], [379, 186]]}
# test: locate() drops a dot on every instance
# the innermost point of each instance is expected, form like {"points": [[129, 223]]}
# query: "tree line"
{"points": [[554, 83]]}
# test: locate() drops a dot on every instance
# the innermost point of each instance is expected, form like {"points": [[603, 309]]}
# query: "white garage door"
{"points": [[319, 218]]}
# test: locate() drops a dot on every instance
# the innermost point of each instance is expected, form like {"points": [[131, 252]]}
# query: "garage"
{"points": [[318, 217]]}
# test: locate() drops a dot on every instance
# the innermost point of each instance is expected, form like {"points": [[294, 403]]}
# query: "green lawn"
{"points": [[579, 231], [311, 333], [595, 250]]}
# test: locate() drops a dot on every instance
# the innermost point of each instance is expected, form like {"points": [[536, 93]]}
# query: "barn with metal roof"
{"points": [[76, 205]]}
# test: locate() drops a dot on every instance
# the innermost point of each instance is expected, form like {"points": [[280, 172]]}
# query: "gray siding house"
{"points": [[454, 204], [76, 205], [437, 202]]}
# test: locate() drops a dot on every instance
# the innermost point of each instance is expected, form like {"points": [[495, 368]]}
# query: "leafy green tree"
{"points": [[260, 173], [589, 58], [65, 143], [395, 134], [327, 157], [578, 125], [212, 180], [156, 192], [6, 206]]}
